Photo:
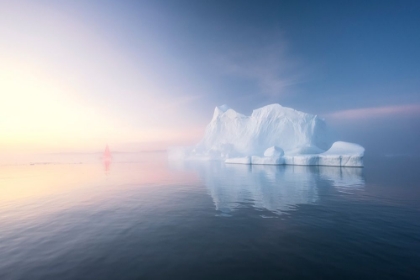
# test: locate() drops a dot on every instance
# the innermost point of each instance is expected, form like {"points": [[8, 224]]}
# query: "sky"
{"points": [[145, 75]]}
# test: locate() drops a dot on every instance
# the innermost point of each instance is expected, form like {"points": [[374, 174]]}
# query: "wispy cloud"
{"points": [[268, 64], [376, 112]]}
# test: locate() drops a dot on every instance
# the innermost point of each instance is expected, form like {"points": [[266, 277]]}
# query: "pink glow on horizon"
{"points": [[374, 112]]}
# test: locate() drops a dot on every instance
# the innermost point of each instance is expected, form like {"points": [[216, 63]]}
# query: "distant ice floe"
{"points": [[272, 135]]}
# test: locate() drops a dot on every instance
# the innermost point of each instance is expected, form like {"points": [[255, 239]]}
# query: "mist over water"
{"points": [[143, 217]]}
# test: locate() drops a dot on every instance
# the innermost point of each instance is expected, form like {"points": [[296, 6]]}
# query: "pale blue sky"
{"points": [[160, 67]]}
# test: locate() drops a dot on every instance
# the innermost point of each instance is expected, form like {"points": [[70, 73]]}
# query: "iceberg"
{"points": [[271, 135]]}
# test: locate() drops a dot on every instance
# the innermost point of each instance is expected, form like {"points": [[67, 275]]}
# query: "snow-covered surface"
{"points": [[271, 135]]}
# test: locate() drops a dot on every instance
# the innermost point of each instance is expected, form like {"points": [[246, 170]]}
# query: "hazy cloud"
{"points": [[268, 64], [375, 112]]}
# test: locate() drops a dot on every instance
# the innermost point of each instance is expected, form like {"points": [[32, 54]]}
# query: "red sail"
{"points": [[107, 153]]}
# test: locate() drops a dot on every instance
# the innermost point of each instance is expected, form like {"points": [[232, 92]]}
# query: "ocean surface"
{"points": [[143, 217]]}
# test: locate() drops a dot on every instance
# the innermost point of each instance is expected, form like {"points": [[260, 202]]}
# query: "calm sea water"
{"points": [[147, 218]]}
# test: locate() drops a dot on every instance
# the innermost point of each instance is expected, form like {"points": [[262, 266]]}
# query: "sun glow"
{"points": [[41, 113], [36, 110], [64, 86]]}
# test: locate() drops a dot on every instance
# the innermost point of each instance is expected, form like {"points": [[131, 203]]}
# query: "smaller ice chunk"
{"points": [[267, 160], [343, 154], [274, 151], [272, 156], [239, 160]]}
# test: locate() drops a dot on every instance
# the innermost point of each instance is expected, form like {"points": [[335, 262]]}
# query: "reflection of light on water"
{"points": [[107, 159], [268, 187], [29, 192], [343, 177], [273, 188], [107, 166]]}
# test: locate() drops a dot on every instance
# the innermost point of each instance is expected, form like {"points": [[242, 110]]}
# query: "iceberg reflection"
{"points": [[272, 188]]}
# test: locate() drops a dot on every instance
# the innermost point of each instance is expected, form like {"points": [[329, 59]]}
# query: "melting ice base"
{"points": [[272, 135]]}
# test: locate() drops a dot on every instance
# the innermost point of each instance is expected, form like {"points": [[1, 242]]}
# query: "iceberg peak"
{"points": [[220, 110], [225, 112], [223, 108]]}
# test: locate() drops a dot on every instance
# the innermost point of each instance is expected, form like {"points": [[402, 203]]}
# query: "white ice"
{"points": [[271, 135]]}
